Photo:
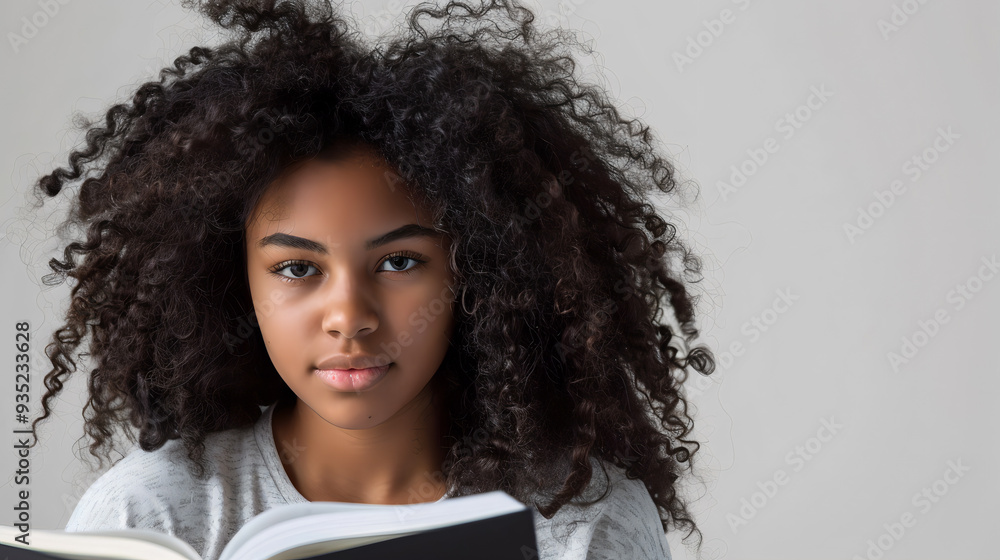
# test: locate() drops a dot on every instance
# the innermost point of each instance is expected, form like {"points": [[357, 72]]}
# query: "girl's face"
{"points": [[340, 265]]}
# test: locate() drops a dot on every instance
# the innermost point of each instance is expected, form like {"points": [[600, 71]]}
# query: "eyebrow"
{"points": [[295, 242]]}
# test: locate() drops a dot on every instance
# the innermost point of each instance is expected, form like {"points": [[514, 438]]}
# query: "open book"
{"points": [[489, 526]]}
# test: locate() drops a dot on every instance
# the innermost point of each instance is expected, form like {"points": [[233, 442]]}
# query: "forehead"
{"points": [[345, 193]]}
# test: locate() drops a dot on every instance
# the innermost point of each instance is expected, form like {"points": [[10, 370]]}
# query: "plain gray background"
{"points": [[822, 360]]}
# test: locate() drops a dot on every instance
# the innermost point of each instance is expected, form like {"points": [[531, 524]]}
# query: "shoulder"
{"points": [[628, 525], [624, 524], [151, 489], [126, 495]]}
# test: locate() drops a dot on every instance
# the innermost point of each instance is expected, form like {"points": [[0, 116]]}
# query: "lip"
{"points": [[347, 361], [352, 379]]}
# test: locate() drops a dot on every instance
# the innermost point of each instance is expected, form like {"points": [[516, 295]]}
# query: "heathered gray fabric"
{"points": [[154, 490]]}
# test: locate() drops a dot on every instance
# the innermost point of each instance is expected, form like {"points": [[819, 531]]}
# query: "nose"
{"points": [[348, 308]]}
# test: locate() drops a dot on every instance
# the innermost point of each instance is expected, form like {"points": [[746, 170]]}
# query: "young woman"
{"points": [[318, 271]]}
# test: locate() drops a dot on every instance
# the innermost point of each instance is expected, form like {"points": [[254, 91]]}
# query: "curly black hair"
{"points": [[560, 352]]}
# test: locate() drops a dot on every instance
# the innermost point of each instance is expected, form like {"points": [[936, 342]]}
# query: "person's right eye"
{"points": [[298, 270]]}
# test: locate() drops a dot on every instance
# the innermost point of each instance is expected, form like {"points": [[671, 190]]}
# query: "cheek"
{"points": [[282, 330], [429, 312], [433, 325], [274, 309], [440, 308], [281, 320]]}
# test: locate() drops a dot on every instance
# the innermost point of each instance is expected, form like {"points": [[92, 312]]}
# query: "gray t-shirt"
{"points": [[154, 490]]}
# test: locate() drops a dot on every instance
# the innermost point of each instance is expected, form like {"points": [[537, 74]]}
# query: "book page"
{"points": [[375, 523], [278, 514], [126, 544]]}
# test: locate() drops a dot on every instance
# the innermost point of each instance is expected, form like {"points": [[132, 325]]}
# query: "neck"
{"points": [[396, 462]]}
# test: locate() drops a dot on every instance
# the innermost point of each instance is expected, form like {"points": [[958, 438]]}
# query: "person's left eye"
{"points": [[393, 259]]}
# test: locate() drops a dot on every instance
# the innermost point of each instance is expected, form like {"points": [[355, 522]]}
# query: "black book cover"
{"points": [[8, 552]]}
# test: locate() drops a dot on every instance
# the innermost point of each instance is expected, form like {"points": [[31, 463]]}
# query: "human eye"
{"points": [[399, 259], [292, 266]]}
